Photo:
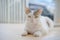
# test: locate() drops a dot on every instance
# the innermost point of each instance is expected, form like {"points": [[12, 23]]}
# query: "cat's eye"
{"points": [[36, 16], [29, 16]]}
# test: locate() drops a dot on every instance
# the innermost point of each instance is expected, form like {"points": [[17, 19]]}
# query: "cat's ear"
{"points": [[38, 12], [27, 10]]}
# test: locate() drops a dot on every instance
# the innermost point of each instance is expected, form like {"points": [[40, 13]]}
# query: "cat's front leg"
{"points": [[37, 34], [24, 33]]}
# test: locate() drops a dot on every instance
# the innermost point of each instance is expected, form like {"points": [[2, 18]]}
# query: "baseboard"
{"points": [[57, 25]]}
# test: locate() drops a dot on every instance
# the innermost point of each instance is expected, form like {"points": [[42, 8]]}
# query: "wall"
{"points": [[57, 12]]}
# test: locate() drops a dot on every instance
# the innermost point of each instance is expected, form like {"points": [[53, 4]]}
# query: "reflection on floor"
{"points": [[14, 31]]}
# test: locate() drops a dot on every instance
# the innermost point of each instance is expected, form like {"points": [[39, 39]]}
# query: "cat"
{"points": [[36, 24]]}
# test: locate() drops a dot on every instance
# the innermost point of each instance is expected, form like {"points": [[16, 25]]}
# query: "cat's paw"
{"points": [[37, 34], [25, 33]]}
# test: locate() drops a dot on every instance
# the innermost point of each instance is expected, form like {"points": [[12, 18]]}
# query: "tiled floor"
{"points": [[14, 31]]}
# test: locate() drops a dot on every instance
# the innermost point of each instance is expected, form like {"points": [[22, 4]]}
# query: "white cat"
{"points": [[36, 24]]}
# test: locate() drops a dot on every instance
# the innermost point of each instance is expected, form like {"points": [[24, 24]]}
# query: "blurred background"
{"points": [[48, 7], [12, 11]]}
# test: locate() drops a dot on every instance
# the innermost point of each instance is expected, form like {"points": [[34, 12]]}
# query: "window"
{"points": [[47, 5]]}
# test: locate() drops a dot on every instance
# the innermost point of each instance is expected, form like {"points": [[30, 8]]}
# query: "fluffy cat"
{"points": [[36, 24]]}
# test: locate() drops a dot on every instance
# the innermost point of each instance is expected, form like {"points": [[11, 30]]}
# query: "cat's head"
{"points": [[33, 15]]}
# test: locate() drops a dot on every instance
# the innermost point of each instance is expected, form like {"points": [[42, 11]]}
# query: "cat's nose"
{"points": [[32, 20]]}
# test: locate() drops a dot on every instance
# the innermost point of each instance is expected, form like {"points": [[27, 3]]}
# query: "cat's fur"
{"points": [[36, 24]]}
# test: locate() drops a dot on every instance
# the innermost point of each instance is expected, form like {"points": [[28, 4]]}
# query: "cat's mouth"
{"points": [[33, 21]]}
